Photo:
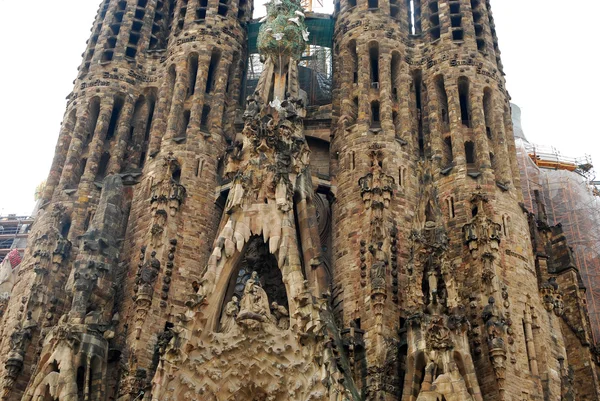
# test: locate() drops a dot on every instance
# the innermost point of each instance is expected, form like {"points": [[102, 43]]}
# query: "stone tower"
{"points": [[190, 247]]}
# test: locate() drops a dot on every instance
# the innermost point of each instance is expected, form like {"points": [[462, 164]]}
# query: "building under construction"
{"points": [[568, 188]]}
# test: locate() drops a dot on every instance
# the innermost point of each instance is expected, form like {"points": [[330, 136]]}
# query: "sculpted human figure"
{"points": [[281, 315], [254, 303], [229, 315]]}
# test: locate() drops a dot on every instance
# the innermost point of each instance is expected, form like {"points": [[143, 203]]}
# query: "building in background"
{"points": [[567, 188], [303, 207]]}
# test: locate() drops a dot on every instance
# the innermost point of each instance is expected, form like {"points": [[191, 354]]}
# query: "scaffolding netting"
{"points": [[567, 186], [315, 67]]}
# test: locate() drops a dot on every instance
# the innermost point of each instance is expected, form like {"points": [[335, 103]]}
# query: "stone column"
{"points": [[175, 118]]}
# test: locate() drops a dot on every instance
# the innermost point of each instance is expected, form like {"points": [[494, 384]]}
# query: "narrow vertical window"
{"points": [[465, 108], [354, 110], [181, 17], [201, 10], [448, 157], [470, 153], [204, 118], [451, 212], [183, 127], [434, 20], [242, 9], [417, 88], [456, 21], [373, 4], [223, 8], [488, 112], [374, 61], [375, 115], [402, 177], [102, 166], [477, 10], [414, 16], [215, 58], [115, 28], [442, 102], [193, 73], [352, 161], [394, 9], [354, 57], [114, 119], [395, 74]]}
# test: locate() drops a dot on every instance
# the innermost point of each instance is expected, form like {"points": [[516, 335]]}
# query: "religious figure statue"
{"points": [[281, 316], [255, 303], [229, 315]]}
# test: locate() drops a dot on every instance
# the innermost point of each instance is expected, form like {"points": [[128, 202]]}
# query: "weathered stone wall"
{"points": [[415, 212]]}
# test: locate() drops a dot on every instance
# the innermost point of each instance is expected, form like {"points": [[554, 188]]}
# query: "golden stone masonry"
{"points": [[304, 207]]}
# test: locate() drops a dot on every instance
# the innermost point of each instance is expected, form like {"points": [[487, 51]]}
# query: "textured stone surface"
{"points": [[372, 249]]}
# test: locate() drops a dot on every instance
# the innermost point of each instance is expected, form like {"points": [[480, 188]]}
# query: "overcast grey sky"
{"points": [[549, 55]]}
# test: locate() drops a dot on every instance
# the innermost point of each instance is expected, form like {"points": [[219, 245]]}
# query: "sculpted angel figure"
{"points": [[229, 315]]}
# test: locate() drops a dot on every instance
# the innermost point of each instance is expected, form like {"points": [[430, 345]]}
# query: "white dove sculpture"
{"points": [[305, 35], [295, 20], [299, 13]]}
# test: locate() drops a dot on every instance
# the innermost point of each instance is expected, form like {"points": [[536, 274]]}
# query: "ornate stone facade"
{"points": [[187, 250]]}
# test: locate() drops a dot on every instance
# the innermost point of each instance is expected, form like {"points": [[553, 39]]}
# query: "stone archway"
{"points": [[256, 258]]}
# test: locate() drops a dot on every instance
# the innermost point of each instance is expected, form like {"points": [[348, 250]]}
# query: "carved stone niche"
{"points": [[442, 367], [256, 294]]}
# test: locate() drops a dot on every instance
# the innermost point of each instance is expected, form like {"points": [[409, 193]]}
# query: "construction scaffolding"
{"points": [[315, 70], [14, 231], [569, 191]]}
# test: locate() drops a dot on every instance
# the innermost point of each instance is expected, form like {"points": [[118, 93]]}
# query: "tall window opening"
{"points": [[373, 4], [181, 17], [115, 28], [434, 20], [374, 61], [394, 9], [242, 8], [396, 121], [354, 110], [451, 211], [456, 20], [442, 102], [375, 115], [114, 118], [94, 109], [352, 3], [395, 71], [136, 28], [414, 16], [201, 10], [184, 123], [235, 62], [223, 7], [487, 112], [354, 57], [417, 89], [102, 166], [465, 107], [448, 157], [470, 153], [204, 118], [477, 9], [193, 73], [215, 58]]}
